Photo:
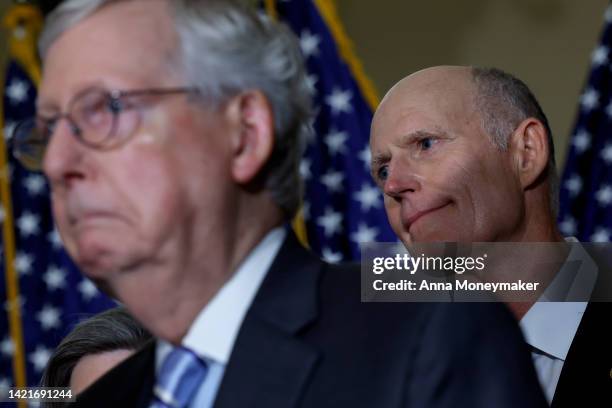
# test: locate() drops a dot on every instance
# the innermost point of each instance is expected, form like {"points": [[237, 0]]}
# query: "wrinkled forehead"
{"points": [[131, 41], [440, 98], [149, 23]]}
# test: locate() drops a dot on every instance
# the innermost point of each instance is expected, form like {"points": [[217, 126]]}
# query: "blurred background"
{"points": [[546, 43]]}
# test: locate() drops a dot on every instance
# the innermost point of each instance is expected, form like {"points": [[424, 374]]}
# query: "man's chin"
{"points": [[103, 272], [105, 286], [429, 234], [98, 261]]}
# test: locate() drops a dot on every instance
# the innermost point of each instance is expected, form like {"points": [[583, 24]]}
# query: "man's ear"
{"points": [[530, 150], [253, 140]]}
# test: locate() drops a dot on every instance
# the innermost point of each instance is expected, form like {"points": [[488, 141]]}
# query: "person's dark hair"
{"points": [[503, 102], [114, 329]]}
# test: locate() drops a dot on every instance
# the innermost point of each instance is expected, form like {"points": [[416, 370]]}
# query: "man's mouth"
{"points": [[90, 217], [414, 217]]}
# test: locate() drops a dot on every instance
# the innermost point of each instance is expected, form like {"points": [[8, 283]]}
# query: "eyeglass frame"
{"points": [[115, 104]]}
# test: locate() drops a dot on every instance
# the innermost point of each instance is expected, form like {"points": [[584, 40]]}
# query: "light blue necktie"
{"points": [[181, 374]]}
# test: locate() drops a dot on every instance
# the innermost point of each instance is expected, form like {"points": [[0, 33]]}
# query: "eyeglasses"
{"points": [[98, 118]]}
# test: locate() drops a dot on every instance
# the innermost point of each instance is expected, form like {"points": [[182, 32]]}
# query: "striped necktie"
{"points": [[181, 374]]}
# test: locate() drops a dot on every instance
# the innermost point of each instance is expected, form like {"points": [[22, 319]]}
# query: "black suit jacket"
{"points": [[308, 341], [586, 377]]}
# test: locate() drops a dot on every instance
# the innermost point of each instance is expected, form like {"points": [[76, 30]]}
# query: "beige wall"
{"points": [[547, 43]]}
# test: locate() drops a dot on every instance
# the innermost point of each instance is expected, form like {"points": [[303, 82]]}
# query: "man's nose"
{"points": [[401, 180], [63, 160]]}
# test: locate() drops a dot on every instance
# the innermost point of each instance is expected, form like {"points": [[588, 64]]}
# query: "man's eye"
{"points": [[46, 127], [426, 143], [382, 173], [114, 105]]}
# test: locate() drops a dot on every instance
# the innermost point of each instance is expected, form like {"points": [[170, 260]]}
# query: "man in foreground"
{"points": [[172, 132], [466, 155]]}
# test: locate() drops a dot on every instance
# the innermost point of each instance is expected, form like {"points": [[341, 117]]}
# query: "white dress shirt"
{"points": [[214, 331], [549, 327]]}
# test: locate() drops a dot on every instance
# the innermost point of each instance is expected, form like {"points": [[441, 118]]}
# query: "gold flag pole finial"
{"points": [[24, 22]]}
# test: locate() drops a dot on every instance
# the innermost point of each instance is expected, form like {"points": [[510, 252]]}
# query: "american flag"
{"points": [[586, 186], [53, 294], [342, 205]]}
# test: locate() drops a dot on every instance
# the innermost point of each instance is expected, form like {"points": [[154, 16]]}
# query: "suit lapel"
{"points": [[587, 372], [269, 365]]}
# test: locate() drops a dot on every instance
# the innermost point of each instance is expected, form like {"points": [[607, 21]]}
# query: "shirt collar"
{"points": [[214, 331], [550, 327]]}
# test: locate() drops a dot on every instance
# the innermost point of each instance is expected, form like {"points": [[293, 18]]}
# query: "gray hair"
{"points": [[226, 47], [503, 102], [114, 329]]}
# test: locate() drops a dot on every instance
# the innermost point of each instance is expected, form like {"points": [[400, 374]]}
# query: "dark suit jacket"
{"points": [[586, 377], [308, 341]]}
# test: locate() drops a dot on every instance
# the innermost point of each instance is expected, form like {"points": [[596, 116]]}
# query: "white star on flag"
{"points": [[609, 110], [368, 197], [606, 154], [339, 101], [364, 234], [366, 157], [309, 43], [49, 317], [311, 84], [9, 128], [305, 169], [40, 357], [88, 289], [568, 226], [54, 238], [331, 222], [5, 385], [582, 141], [17, 92], [574, 185], [608, 15], [23, 263], [17, 303], [310, 137], [600, 235], [7, 347], [333, 181], [331, 256], [28, 224], [55, 278], [35, 184], [604, 195], [335, 141], [589, 99], [599, 55]]}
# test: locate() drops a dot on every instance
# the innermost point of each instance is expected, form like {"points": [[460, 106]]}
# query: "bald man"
{"points": [[243, 315], [446, 177], [465, 154]]}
